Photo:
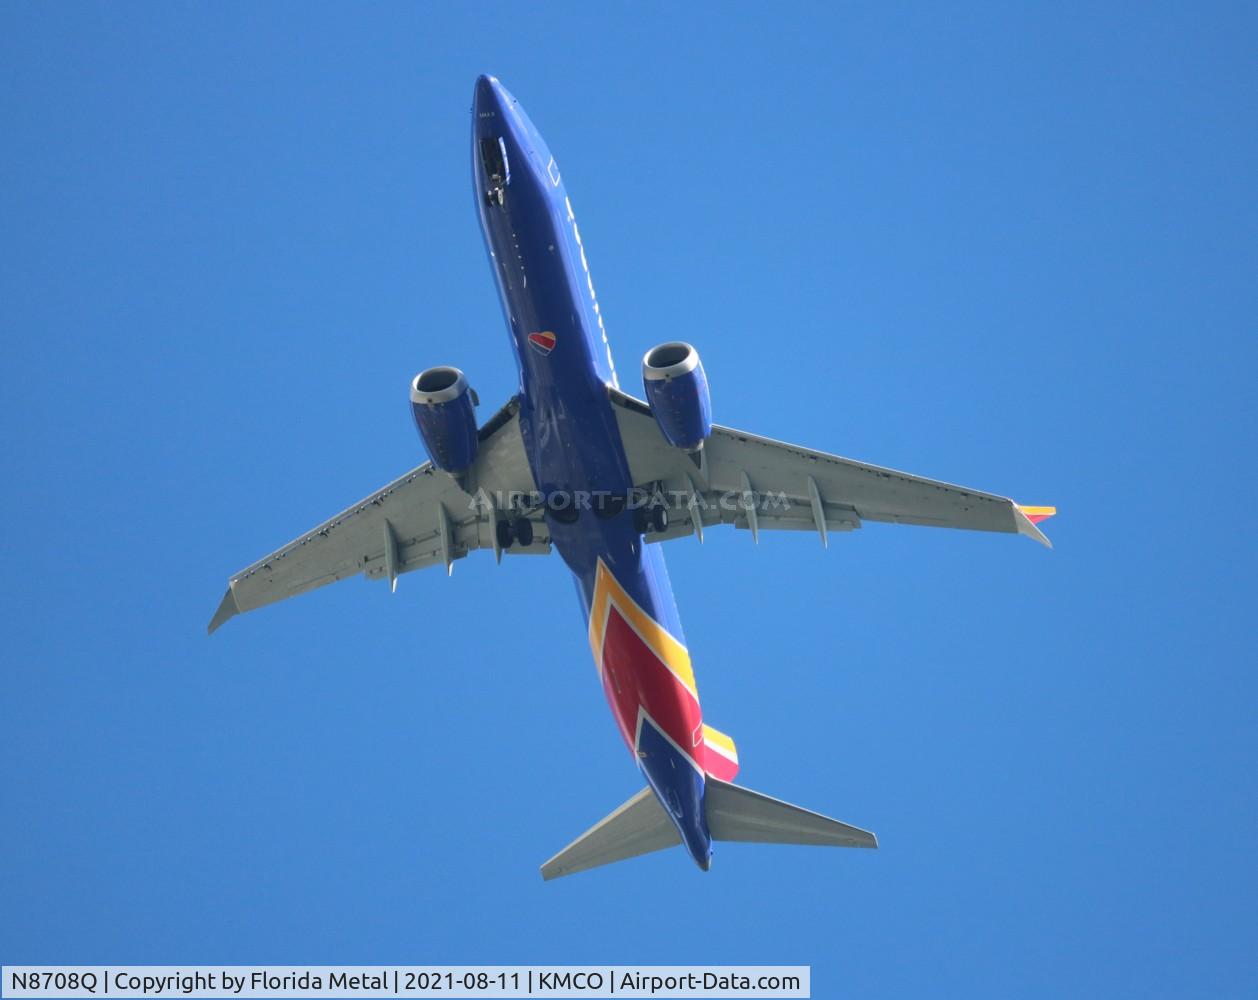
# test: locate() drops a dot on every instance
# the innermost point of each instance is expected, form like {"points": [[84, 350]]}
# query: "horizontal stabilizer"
{"points": [[640, 826], [739, 814]]}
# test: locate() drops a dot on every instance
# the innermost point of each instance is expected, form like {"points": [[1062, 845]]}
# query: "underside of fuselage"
{"points": [[564, 466], [576, 455]]}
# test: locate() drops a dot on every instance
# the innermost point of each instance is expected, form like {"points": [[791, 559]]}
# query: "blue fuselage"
{"points": [[570, 431]]}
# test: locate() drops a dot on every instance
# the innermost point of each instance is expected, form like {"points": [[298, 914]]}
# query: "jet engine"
{"points": [[444, 408], [677, 389]]}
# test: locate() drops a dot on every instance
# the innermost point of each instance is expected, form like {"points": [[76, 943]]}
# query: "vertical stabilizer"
{"points": [[720, 756]]}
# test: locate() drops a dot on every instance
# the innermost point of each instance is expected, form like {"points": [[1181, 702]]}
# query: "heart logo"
{"points": [[543, 342]]}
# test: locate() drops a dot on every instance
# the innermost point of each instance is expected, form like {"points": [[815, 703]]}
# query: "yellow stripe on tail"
{"points": [[720, 756]]}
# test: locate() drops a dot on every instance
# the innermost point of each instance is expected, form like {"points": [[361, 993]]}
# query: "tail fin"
{"points": [[641, 826], [720, 756]]}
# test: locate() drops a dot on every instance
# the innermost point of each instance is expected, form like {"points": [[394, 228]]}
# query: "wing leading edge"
{"points": [[424, 518]]}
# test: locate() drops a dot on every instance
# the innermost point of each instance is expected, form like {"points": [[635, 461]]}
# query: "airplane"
{"points": [[576, 465]]}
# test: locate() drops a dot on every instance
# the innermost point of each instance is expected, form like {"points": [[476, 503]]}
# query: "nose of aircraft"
{"points": [[487, 95]]}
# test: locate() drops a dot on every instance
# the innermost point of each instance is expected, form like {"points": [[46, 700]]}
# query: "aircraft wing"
{"points": [[759, 484], [424, 518]]}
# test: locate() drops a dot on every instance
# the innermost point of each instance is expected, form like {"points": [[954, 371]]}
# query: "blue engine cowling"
{"points": [[677, 389], [444, 408]]}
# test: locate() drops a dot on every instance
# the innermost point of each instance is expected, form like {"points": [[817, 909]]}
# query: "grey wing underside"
{"points": [[423, 518], [638, 827], [759, 484], [734, 813]]}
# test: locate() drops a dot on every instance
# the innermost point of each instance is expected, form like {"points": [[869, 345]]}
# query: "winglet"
{"points": [[1027, 519], [1037, 514], [227, 609]]}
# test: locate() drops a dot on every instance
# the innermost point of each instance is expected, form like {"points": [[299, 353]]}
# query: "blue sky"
{"points": [[1011, 249]]}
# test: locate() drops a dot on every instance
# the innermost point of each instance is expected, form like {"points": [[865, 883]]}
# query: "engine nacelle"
{"points": [[677, 389], [443, 404]]}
